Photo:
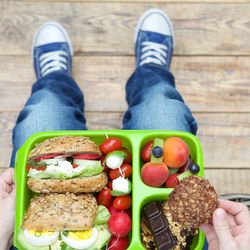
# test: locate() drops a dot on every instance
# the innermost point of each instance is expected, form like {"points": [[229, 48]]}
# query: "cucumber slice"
{"points": [[157, 142]]}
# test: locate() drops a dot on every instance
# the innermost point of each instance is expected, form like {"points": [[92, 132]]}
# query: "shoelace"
{"points": [[153, 53], [52, 61]]}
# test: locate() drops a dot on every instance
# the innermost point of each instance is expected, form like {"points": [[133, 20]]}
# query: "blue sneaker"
{"points": [[154, 39], [52, 50]]}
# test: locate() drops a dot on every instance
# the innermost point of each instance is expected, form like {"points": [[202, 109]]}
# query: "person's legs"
{"points": [[56, 101], [154, 102]]}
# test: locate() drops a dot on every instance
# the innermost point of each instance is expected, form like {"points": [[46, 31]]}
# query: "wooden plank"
{"points": [[201, 29], [225, 137], [229, 180], [208, 84], [140, 1]]}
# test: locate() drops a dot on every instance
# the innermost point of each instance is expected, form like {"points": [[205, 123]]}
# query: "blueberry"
{"points": [[194, 168], [157, 152]]}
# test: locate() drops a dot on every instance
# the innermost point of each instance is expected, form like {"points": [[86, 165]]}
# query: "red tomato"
{"points": [[109, 185], [41, 168], [110, 145], [49, 156], [119, 224], [128, 159], [104, 197], [38, 168], [74, 165], [125, 168], [122, 202], [87, 156], [146, 151], [118, 243], [103, 163]]}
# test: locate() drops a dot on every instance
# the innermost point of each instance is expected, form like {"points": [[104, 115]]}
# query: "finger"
{"points": [[222, 229], [238, 210], [8, 176], [231, 220], [13, 192], [209, 231]]}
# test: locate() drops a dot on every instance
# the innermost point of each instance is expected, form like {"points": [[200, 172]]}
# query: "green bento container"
{"points": [[134, 140]]}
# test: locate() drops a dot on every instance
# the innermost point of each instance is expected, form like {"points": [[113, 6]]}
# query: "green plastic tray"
{"points": [[141, 193]]}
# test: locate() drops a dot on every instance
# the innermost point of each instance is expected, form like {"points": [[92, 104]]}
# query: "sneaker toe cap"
{"points": [[50, 33], [157, 22]]}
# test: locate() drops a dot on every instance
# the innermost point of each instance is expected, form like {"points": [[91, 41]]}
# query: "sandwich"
{"points": [[66, 164], [64, 222]]}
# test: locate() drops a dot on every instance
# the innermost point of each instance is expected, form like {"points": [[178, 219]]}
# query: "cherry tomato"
{"points": [[125, 168], [104, 197], [87, 156], [119, 224], [110, 145], [103, 163], [128, 159], [122, 202], [118, 243], [146, 151], [109, 185]]}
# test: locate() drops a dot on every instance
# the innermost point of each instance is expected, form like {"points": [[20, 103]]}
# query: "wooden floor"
{"points": [[211, 66]]}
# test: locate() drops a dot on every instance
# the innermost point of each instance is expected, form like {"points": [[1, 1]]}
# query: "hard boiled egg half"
{"points": [[40, 238], [80, 239]]}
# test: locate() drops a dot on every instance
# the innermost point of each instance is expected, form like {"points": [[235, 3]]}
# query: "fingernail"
{"points": [[219, 213]]}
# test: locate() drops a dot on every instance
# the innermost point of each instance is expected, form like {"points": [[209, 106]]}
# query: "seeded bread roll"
{"points": [[56, 212], [64, 145], [89, 184]]}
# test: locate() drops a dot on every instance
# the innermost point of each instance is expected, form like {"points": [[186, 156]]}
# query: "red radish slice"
{"points": [[87, 156]]}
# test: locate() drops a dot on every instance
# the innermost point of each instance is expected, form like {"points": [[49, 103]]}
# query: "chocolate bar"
{"points": [[158, 225]]}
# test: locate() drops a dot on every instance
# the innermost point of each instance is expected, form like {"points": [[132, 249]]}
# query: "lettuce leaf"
{"points": [[87, 168], [103, 215]]}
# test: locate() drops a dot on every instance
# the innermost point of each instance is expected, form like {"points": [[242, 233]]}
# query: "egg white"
{"points": [[81, 244], [40, 241]]}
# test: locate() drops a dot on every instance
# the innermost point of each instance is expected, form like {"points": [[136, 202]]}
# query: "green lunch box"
{"points": [[134, 140]]}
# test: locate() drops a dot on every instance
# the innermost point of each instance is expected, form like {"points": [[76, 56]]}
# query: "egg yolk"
{"points": [[80, 235]]}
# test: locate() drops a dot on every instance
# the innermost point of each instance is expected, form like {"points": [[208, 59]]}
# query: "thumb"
{"points": [[222, 229]]}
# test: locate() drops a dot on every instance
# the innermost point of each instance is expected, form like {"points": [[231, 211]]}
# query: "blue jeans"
{"points": [[57, 103]]}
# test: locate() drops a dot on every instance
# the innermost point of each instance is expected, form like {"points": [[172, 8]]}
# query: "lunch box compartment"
{"points": [[134, 140]]}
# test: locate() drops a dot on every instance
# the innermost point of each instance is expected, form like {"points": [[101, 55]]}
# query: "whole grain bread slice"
{"points": [[64, 145], [56, 212], [89, 184]]}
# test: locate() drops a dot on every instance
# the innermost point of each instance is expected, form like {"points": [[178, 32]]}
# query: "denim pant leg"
{"points": [[56, 103], [154, 102]]}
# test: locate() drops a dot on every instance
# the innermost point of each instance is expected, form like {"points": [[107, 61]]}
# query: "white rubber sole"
{"points": [[146, 14], [59, 26]]}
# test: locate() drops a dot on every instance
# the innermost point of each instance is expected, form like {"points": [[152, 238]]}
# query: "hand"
{"points": [[7, 208], [231, 227]]}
